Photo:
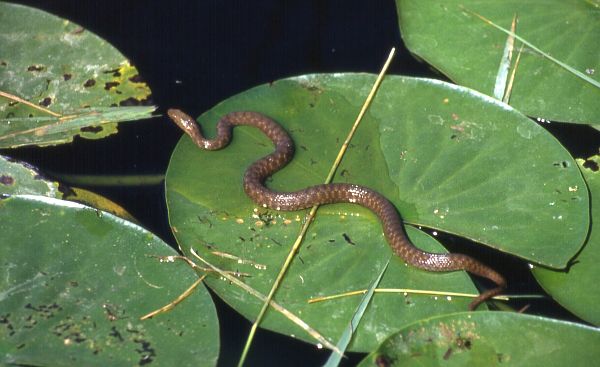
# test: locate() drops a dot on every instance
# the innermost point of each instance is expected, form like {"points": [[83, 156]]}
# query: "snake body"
{"points": [[260, 170]]}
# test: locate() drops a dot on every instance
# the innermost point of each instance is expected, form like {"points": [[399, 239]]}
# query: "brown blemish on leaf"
{"points": [[3, 63], [129, 102], [136, 79], [36, 68], [7, 180], [67, 76], [89, 83], [91, 129], [109, 85], [115, 72], [592, 165], [46, 102]]}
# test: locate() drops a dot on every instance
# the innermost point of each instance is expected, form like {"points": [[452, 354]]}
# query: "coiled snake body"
{"points": [[258, 171]]}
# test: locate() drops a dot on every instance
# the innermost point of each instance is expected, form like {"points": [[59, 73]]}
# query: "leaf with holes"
{"points": [[56, 65]]}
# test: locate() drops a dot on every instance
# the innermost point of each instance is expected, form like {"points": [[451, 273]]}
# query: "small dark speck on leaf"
{"points": [[89, 83], [563, 164], [46, 102], [129, 102], [110, 85], [114, 72], [67, 76], [348, 239], [91, 129], [35, 68], [7, 180], [136, 79], [447, 354], [3, 63], [589, 164], [116, 334], [463, 343]]}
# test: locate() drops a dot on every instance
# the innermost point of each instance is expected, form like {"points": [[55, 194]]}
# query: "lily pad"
{"points": [[450, 36], [21, 178], [75, 282], [577, 288], [489, 339], [510, 169], [69, 73]]}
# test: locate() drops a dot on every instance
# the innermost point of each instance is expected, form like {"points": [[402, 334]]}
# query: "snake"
{"points": [[329, 193]]}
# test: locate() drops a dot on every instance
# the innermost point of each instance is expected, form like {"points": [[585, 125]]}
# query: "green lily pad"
{"points": [[67, 70], [577, 288], [469, 51], [75, 282], [489, 339], [441, 128], [21, 178]]}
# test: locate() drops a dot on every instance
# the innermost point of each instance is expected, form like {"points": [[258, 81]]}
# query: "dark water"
{"points": [[194, 54]]}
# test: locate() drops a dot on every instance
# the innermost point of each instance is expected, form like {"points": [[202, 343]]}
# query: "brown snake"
{"points": [[257, 172]]}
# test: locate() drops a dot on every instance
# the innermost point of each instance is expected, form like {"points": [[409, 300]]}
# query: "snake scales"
{"points": [[261, 169]]}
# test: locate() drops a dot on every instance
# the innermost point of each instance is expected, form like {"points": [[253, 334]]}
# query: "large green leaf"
{"points": [[489, 339], [448, 157], [577, 288], [75, 281], [60, 66], [469, 51]]}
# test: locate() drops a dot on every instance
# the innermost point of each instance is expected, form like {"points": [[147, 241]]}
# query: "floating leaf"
{"points": [[448, 157], [489, 339], [21, 178], [75, 281], [450, 36], [577, 288], [62, 68], [21, 131]]}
